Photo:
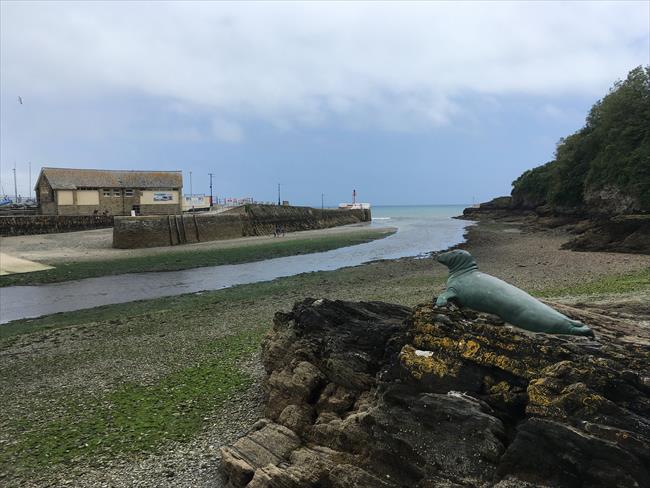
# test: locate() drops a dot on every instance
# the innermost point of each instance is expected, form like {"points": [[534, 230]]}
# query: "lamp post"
{"points": [[16, 185], [279, 194], [210, 189]]}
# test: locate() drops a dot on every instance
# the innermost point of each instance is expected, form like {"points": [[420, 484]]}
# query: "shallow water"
{"points": [[421, 229]]}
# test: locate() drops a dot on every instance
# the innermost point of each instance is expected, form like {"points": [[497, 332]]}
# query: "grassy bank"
{"points": [[185, 258]]}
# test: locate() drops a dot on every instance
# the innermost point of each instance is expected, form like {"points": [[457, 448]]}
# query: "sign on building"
{"points": [[163, 196]]}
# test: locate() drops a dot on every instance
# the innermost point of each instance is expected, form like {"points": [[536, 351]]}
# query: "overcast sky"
{"points": [[409, 103]]}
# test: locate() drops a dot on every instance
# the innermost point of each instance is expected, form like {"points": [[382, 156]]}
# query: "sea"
{"points": [[421, 230]]}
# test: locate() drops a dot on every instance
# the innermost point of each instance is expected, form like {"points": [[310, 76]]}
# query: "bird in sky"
{"points": [[20, 100]]}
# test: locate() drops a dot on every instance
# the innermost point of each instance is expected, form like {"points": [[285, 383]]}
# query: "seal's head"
{"points": [[457, 260]]}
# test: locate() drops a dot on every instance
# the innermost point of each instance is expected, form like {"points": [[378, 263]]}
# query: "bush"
{"points": [[531, 189]]}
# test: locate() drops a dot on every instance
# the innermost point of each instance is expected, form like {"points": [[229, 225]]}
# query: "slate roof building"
{"points": [[66, 191]]}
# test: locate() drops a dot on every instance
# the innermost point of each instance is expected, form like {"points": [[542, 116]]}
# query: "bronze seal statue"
{"points": [[479, 291]]}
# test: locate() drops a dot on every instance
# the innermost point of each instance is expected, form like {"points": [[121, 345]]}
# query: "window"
{"points": [[65, 197], [106, 192], [116, 193], [128, 192]]}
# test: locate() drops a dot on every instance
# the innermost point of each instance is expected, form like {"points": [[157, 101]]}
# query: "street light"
{"points": [[210, 190], [279, 194]]}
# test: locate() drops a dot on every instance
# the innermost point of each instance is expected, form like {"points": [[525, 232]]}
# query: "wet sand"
{"points": [[534, 261]]}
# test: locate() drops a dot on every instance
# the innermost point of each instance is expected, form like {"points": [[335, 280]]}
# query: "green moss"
{"points": [[137, 418], [621, 283], [192, 258]]}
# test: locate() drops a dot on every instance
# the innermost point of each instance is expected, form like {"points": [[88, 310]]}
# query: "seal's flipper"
{"points": [[443, 298], [578, 328]]}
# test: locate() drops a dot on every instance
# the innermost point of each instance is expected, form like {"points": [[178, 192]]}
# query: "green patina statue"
{"points": [[469, 287]]}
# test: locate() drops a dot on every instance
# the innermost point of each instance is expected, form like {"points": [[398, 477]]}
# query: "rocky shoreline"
{"points": [[626, 233], [370, 394]]}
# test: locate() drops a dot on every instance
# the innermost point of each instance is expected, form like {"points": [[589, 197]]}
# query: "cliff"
{"points": [[378, 395]]}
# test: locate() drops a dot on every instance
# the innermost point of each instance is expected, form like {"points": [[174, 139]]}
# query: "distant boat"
{"points": [[6, 201], [354, 205]]}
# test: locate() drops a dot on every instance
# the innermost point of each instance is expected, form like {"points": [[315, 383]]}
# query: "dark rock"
{"points": [[596, 231], [629, 233], [377, 395]]}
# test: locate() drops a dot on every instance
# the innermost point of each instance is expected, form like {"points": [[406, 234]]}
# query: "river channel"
{"points": [[421, 230]]}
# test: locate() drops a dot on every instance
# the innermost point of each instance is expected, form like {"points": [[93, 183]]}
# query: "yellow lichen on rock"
{"points": [[540, 392], [477, 344], [501, 387], [430, 342], [470, 348], [421, 365]]}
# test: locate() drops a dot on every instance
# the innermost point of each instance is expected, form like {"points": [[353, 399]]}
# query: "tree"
{"points": [[612, 151]]}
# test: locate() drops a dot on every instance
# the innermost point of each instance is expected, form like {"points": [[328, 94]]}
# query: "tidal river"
{"points": [[421, 229]]}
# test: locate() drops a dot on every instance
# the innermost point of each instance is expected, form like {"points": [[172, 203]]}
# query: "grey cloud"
{"points": [[386, 64], [227, 131]]}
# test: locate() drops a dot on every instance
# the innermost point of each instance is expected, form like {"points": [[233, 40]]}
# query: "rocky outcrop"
{"points": [[629, 233], [378, 395], [612, 200], [624, 233], [500, 208]]}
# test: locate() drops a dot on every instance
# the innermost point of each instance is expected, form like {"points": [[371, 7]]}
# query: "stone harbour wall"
{"points": [[248, 220], [20, 225]]}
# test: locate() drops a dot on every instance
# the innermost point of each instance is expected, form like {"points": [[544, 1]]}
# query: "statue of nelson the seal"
{"points": [[485, 293]]}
